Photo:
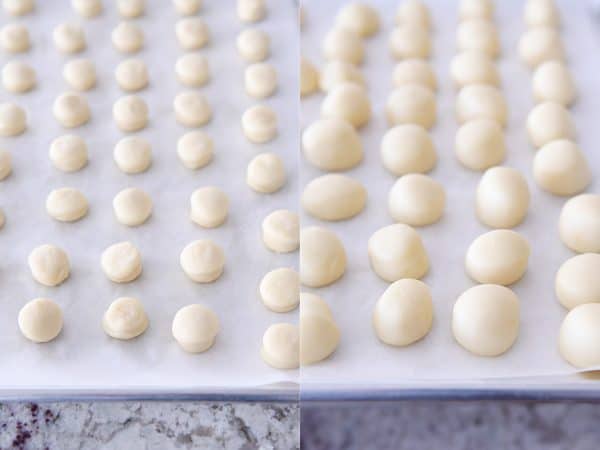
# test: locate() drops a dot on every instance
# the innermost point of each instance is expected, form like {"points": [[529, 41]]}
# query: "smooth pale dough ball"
{"points": [[579, 336], [413, 12], [133, 154], [334, 197], [260, 80], [343, 45], [280, 231], [251, 10], [338, 72], [548, 122], [195, 149], [121, 262], [259, 123], [417, 200], [5, 164], [2, 219], [266, 173], [347, 101], [18, 7], [473, 67], [192, 70], [359, 18], [579, 223], [69, 38], [18, 77], [280, 289], [195, 328], [13, 120], [192, 109], [577, 280], [68, 153], [14, 38], [396, 252], [309, 77], [49, 265], [131, 8], [502, 198], [560, 168], [480, 35], [202, 261], [476, 9], [404, 313], [192, 33], [411, 103], [319, 334], [66, 204], [125, 318], [406, 149], [187, 7], [485, 319], [40, 320], [87, 8], [71, 110], [132, 75], [132, 207], [541, 13], [480, 101], [80, 74], [209, 207], [281, 346], [130, 113], [414, 71], [253, 45], [552, 81], [332, 144], [127, 37], [322, 257], [539, 45], [480, 144], [410, 41]]}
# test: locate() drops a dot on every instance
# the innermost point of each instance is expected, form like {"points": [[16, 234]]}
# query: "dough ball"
{"points": [[49, 265], [549, 121], [18, 7], [539, 45], [334, 197], [474, 67], [502, 198], [87, 8], [407, 149], [579, 223], [5, 164], [280, 231], [479, 35], [404, 313], [579, 337], [280, 290], [69, 38], [192, 109], [319, 335], [14, 38], [125, 318], [192, 70], [410, 41], [541, 13], [80, 74], [40, 320], [414, 71], [260, 80], [133, 154], [132, 207], [253, 45], [413, 12], [132, 75], [309, 77], [552, 81], [485, 319], [2, 219], [480, 101], [411, 103], [13, 120], [18, 77], [192, 33], [359, 18], [335, 73], [259, 123], [417, 200], [202, 261], [66, 204], [343, 45], [121, 262], [130, 113], [347, 101], [131, 8], [209, 207], [561, 168], [195, 328], [332, 144], [127, 37], [281, 346], [480, 144], [71, 110], [266, 173], [187, 7], [251, 10], [476, 9], [396, 252], [68, 153], [577, 280], [322, 258], [195, 149]]}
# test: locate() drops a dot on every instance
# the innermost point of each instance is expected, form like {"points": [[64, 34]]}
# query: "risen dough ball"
{"points": [[5, 164], [359, 18], [334, 197], [127, 37], [280, 231], [541, 13], [87, 8], [577, 280], [343, 45], [195, 328], [71, 110], [132, 207], [322, 257], [281, 346], [480, 144], [69, 38], [251, 10], [479, 35], [480, 101], [579, 338], [192, 70], [413, 12], [539, 45], [80, 74], [130, 113], [410, 41], [49, 265], [195, 149], [192, 33], [125, 318], [579, 223], [18, 7], [209, 207], [309, 77], [121, 262], [192, 109], [66, 204], [476, 9], [561, 168], [411, 103], [406, 149], [132, 75], [338, 72], [348, 101], [332, 144], [18, 77], [68, 153], [396, 251], [414, 71], [552, 81], [14, 38], [474, 67], [549, 121], [319, 335], [253, 45], [260, 80], [133, 154], [187, 7], [266, 173], [202, 261], [417, 200], [502, 198], [259, 123], [280, 290], [13, 120], [40, 320], [404, 313], [131, 8]]}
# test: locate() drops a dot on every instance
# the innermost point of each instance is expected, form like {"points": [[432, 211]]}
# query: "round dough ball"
{"points": [[5, 164], [13, 120], [347, 101], [502, 198], [334, 197], [195, 149], [130, 113], [396, 252], [18, 77], [481, 101], [127, 37], [280, 290], [579, 223], [476, 9], [68, 153], [132, 207], [69, 38], [87, 8], [474, 67], [2, 219], [80, 74], [407, 149], [541, 13], [202, 261], [71, 110], [49, 265], [131, 8], [132, 75], [266, 173], [40, 320], [485, 319], [281, 346], [343, 45], [410, 41], [560, 168], [209, 207], [359, 18], [539, 45], [195, 328], [121, 262], [322, 258], [414, 71], [549, 121], [192, 33], [192, 70], [66, 204], [480, 144], [579, 337], [577, 280], [413, 12], [404, 313], [417, 200], [253, 45], [260, 80], [335, 73], [309, 77], [14, 38], [259, 123], [332, 145], [411, 103], [479, 35], [280, 231], [133, 154], [552, 81], [125, 318], [18, 7], [192, 109], [187, 7], [319, 335], [251, 10]]}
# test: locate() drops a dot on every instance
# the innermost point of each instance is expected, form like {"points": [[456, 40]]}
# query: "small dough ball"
{"points": [[49, 265], [127, 37], [480, 144], [411, 103], [481, 101], [130, 113], [280, 290], [253, 45], [18, 77], [66, 204], [560, 168], [479, 35], [40, 320], [337, 72], [334, 197], [396, 252], [5, 164], [251, 10], [68, 153], [348, 101], [280, 231], [131, 8], [266, 173], [322, 258], [407, 149], [359, 18], [260, 80], [187, 7], [538, 45], [332, 145], [404, 313], [13, 120], [410, 41], [18, 7], [69, 38], [2, 219], [80, 74], [132, 207], [476, 9], [259, 123], [71, 110], [192, 109], [552, 81], [195, 328], [577, 280], [579, 337], [474, 67], [414, 71], [192, 70], [195, 149], [125, 318], [579, 223], [319, 335], [541, 13], [281, 346], [502, 198], [548, 122], [343, 45], [202, 261], [133, 154], [209, 207], [485, 319], [192, 33], [14, 38], [413, 12], [121, 262], [132, 75], [417, 200], [87, 8], [309, 77]]}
